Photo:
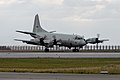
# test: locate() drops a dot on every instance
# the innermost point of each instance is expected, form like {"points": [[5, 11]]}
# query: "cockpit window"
{"points": [[78, 38]]}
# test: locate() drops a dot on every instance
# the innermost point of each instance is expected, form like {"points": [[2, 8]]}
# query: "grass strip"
{"points": [[61, 65]]}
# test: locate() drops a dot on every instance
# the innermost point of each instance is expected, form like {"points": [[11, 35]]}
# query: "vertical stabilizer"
{"points": [[37, 27]]}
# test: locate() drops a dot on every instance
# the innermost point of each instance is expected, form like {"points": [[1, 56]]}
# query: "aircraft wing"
{"points": [[104, 40], [28, 42], [31, 33]]}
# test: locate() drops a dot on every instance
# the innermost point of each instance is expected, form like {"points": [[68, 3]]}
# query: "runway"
{"points": [[50, 76], [55, 54]]}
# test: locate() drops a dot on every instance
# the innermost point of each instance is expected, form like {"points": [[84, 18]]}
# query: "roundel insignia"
{"points": [[36, 26]]}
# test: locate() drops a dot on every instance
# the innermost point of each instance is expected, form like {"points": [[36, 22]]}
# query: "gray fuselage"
{"points": [[64, 39]]}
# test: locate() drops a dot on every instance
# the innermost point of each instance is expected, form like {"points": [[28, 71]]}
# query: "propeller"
{"points": [[97, 40], [98, 35], [42, 39], [54, 40]]}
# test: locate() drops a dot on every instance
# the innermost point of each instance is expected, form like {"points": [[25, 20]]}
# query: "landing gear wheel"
{"points": [[46, 50], [75, 50]]}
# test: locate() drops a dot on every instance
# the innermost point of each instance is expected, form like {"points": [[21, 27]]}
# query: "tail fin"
{"points": [[37, 27]]}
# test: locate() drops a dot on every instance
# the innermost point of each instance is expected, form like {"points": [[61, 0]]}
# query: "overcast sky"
{"points": [[83, 17]]}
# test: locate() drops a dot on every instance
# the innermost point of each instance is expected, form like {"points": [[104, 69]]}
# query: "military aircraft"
{"points": [[49, 39]]}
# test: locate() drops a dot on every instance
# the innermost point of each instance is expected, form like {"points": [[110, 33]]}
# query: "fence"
{"points": [[55, 48]]}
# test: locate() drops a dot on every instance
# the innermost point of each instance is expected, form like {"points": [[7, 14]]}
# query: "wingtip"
{"points": [[16, 39], [17, 31]]}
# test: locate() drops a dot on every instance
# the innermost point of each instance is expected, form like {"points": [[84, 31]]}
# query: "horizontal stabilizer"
{"points": [[31, 33], [21, 40], [105, 40], [28, 42]]}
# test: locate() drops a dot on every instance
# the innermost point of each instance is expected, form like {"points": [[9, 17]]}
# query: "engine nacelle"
{"points": [[92, 40]]}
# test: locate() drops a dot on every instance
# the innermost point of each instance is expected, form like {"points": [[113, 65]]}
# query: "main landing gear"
{"points": [[75, 50], [46, 49]]}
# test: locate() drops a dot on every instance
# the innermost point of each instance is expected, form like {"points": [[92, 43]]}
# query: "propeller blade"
{"points": [[98, 36], [97, 45], [45, 37]]}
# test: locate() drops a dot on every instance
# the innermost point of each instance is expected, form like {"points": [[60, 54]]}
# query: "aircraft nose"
{"points": [[84, 42]]}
